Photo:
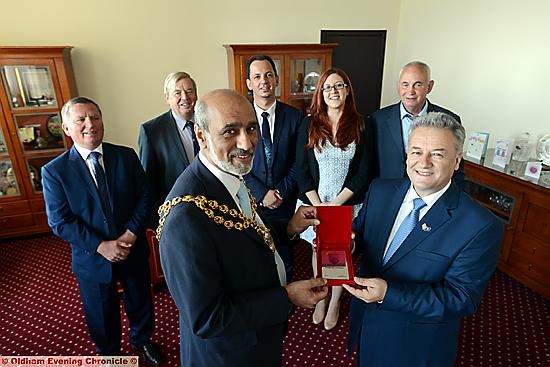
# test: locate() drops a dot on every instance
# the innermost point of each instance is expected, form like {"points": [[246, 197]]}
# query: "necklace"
{"points": [[209, 207]]}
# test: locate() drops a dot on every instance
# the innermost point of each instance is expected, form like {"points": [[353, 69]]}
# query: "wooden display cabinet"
{"points": [[35, 83], [298, 66], [525, 207]]}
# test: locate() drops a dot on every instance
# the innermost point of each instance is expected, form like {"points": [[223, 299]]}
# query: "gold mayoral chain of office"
{"points": [[209, 207]]}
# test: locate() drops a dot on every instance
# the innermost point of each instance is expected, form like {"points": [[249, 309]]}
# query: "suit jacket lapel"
{"points": [[395, 129], [437, 216], [278, 126], [110, 172]]}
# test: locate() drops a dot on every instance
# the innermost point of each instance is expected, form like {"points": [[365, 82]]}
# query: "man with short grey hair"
{"points": [[167, 143], [390, 125], [428, 253]]}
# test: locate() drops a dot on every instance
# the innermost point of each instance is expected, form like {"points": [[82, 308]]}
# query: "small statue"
{"points": [[522, 148]]}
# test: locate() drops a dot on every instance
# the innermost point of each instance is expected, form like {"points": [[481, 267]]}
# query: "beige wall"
{"points": [[124, 48], [488, 58]]}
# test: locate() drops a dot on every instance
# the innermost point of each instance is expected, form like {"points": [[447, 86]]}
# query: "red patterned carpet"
{"points": [[41, 315]]}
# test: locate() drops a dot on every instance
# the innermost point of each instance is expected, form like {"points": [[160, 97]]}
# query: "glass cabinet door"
{"points": [[29, 86], [3, 145], [304, 75], [39, 132], [277, 62], [34, 170], [8, 182]]}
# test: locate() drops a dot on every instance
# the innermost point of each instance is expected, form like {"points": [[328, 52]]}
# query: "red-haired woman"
{"points": [[333, 162]]}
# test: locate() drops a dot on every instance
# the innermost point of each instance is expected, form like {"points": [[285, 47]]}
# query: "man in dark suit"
{"points": [[428, 253], [167, 143], [222, 267], [97, 200], [272, 178], [390, 125]]}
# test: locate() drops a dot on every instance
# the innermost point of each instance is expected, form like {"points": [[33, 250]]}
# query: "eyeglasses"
{"points": [[337, 86]]}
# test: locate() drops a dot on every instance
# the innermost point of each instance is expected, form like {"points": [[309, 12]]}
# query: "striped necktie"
{"points": [[189, 125]]}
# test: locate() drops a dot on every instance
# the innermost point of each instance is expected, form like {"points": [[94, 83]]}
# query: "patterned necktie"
{"points": [[189, 125], [244, 200], [404, 229], [102, 188], [266, 139]]}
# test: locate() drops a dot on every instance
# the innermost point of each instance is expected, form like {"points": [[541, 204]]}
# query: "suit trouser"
{"points": [[102, 308]]}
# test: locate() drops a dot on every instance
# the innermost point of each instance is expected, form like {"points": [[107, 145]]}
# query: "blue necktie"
{"points": [[266, 138], [102, 189], [189, 125], [404, 229]]}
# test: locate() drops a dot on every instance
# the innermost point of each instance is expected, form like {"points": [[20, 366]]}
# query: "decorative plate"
{"points": [[310, 82], [543, 149], [54, 126]]}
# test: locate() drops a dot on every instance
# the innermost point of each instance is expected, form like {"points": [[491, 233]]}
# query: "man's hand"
{"points": [[371, 290], [115, 250], [303, 218], [272, 199], [306, 293], [128, 237]]}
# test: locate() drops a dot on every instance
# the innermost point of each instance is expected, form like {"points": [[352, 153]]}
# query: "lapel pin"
{"points": [[425, 227]]}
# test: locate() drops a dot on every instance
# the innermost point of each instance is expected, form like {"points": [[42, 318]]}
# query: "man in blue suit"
{"points": [[97, 200], [167, 143], [272, 179], [428, 253], [390, 125], [222, 267]]}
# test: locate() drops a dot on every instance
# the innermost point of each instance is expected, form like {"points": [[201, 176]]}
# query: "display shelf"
{"points": [[36, 81]]}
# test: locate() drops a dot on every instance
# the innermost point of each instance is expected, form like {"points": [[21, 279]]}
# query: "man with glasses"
{"points": [[391, 124], [272, 179], [167, 143], [97, 200]]}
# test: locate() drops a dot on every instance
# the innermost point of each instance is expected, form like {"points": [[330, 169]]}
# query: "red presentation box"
{"points": [[334, 261]]}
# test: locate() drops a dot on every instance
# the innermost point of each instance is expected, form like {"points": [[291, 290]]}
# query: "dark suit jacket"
{"points": [[163, 157], [75, 213], [224, 282], [359, 174], [389, 150], [283, 163], [435, 278]]}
